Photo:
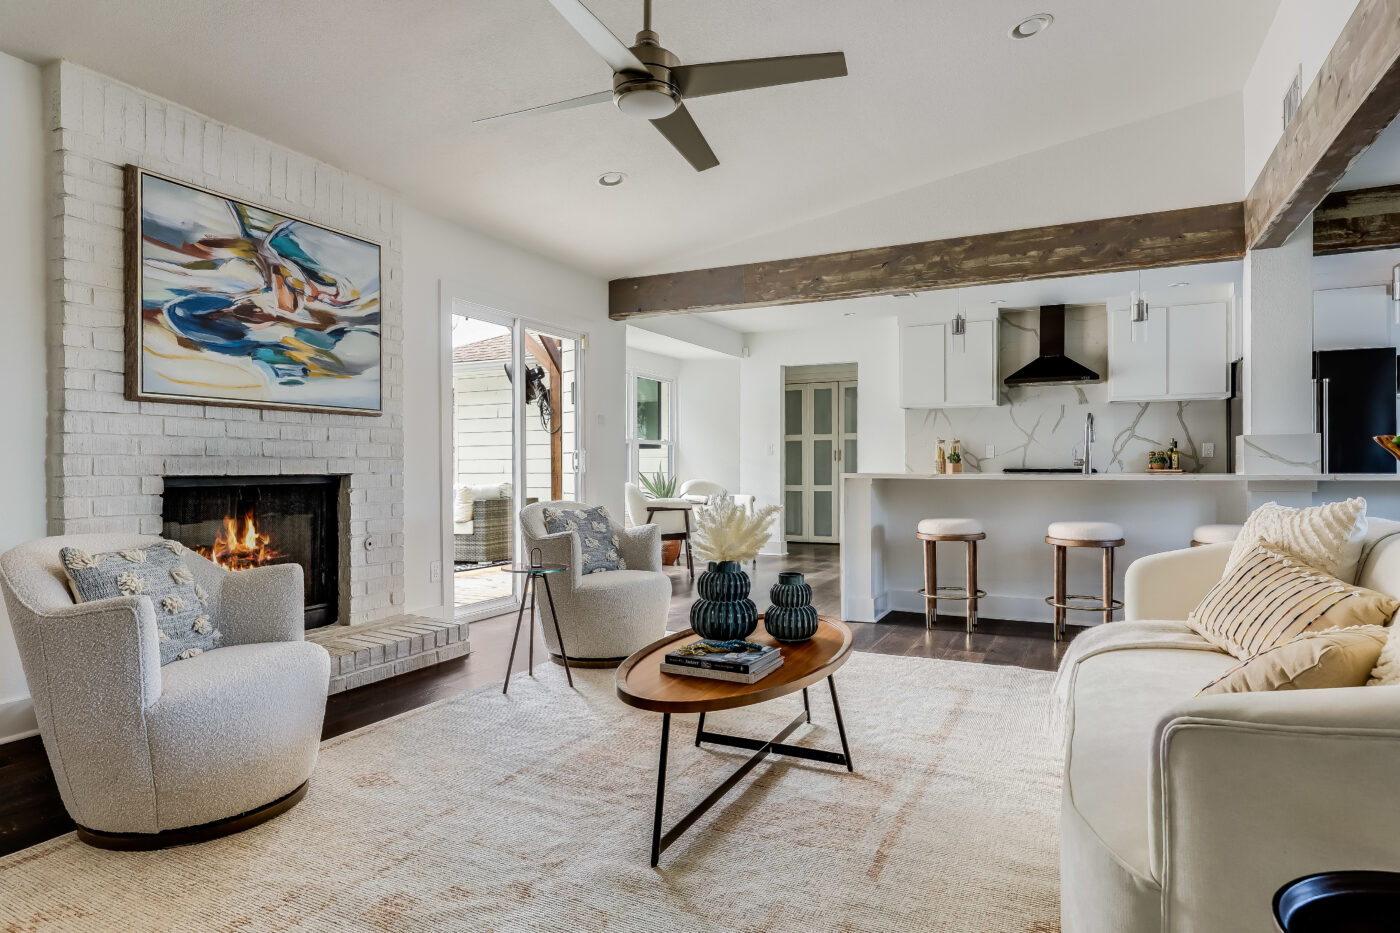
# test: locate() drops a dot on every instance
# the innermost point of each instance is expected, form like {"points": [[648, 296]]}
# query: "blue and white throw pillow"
{"points": [[598, 540], [183, 625]]}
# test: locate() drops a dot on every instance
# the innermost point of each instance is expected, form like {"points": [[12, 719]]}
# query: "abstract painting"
{"points": [[235, 304]]}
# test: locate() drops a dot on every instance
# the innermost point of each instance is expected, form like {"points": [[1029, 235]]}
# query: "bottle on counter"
{"points": [[1175, 455], [941, 464]]}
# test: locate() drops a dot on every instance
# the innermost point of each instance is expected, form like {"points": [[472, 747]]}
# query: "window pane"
{"points": [[821, 411], [648, 409], [792, 512], [792, 411], [821, 463], [653, 458], [848, 413], [821, 515], [792, 468], [848, 461]]}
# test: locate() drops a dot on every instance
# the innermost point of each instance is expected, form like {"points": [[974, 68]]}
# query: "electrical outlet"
{"points": [[991, 450], [435, 571], [1207, 450]]}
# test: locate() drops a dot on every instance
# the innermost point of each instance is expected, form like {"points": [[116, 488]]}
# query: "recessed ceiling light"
{"points": [[1178, 284], [1031, 26], [611, 179], [997, 301], [848, 314]]}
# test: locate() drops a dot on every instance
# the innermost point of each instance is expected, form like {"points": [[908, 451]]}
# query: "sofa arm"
{"points": [[1253, 790], [263, 604], [641, 547], [1169, 585]]}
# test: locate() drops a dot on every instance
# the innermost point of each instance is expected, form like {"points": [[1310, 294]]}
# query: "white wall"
{"points": [[22, 370], [1302, 33], [873, 345], [443, 261], [707, 408]]}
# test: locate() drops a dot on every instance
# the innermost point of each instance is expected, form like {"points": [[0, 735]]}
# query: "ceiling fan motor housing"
{"points": [[650, 96]]}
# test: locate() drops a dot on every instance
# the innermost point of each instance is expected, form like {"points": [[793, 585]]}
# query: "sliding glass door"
{"points": [[514, 441]]}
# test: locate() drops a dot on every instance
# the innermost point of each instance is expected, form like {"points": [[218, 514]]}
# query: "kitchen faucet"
{"points": [[1083, 463]]}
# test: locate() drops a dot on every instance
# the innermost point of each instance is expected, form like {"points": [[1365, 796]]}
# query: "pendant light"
{"points": [[1138, 312], [959, 329], [1395, 291]]}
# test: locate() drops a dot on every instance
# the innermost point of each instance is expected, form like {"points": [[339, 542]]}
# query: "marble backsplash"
{"points": [[1043, 426]]}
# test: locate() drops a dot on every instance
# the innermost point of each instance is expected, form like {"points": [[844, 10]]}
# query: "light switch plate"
{"points": [[1207, 450]]}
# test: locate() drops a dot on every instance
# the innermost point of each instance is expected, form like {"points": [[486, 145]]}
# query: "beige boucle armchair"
{"points": [[148, 756]]}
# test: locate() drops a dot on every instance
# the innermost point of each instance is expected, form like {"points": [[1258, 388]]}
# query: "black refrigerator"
{"points": [[1356, 392]]}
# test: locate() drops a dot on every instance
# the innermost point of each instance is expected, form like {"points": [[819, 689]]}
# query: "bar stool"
{"points": [[1215, 534], [1064, 535], [933, 530]]}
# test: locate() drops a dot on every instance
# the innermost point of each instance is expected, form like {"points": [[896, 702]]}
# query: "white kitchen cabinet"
{"points": [[1179, 352], [938, 370]]}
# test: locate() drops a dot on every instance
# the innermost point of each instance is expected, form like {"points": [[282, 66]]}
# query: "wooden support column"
{"points": [[547, 351], [1354, 98]]}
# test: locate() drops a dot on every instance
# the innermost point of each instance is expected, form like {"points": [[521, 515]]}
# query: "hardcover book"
{"points": [[712, 674], [739, 657]]}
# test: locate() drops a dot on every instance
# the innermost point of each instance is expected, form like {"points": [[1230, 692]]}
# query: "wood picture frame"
{"points": [[235, 304]]}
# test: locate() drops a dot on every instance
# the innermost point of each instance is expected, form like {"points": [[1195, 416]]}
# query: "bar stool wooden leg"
{"points": [[971, 586], [1108, 584], [930, 584], [1061, 589]]}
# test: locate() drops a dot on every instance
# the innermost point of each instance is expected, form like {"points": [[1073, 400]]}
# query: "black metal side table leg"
{"points": [[554, 614], [840, 726], [533, 587], [519, 617], [660, 789]]}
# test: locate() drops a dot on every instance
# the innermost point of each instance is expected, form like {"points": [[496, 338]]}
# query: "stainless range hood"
{"points": [[1052, 367]]}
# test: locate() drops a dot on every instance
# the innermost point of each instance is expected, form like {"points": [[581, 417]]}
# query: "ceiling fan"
{"points": [[650, 82]]}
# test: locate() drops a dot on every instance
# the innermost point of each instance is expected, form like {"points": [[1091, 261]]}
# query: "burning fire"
{"points": [[236, 549]]}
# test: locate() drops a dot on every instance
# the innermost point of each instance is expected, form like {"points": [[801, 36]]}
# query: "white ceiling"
{"points": [[641, 339], [388, 90]]}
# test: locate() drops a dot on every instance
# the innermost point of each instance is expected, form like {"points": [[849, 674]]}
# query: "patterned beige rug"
{"points": [[533, 812]]}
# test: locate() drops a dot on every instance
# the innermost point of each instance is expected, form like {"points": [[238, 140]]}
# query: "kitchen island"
{"points": [[882, 562]]}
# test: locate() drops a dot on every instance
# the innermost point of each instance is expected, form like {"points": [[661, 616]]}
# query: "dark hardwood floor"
{"points": [[30, 809]]}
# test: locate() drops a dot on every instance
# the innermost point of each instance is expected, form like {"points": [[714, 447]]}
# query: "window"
{"points": [[651, 426]]}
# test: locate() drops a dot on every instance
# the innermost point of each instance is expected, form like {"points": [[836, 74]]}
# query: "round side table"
{"points": [[534, 573]]}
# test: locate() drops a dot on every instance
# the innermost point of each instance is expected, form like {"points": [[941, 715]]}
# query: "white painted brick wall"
{"points": [[108, 455]]}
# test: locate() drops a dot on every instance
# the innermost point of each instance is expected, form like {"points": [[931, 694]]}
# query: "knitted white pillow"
{"points": [[1387, 672], [1325, 537]]}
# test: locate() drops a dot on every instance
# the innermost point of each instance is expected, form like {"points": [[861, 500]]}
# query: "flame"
{"points": [[236, 549]]}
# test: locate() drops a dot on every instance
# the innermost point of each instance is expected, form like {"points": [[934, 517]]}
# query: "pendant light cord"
{"points": [[646, 15]]}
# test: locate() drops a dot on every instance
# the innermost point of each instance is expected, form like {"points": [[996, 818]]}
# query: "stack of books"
{"points": [[738, 661]]}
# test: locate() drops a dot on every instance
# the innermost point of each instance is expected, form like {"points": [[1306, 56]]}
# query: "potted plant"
{"points": [[728, 536], [662, 486]]}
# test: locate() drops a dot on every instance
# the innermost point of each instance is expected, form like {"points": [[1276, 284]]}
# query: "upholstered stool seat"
{"points": [[951, 527], [1214, 534], [1106, 536], [932, 531], [1085, 531]]}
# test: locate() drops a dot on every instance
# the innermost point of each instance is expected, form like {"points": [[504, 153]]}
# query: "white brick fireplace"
{"points": [[108, 456]]}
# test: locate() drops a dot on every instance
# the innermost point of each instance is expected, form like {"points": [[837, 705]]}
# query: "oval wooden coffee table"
{"points": [[641, 683]]}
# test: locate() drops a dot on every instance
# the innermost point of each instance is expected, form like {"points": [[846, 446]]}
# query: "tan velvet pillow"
{"points": [[1334, 658], [1269, 597]]}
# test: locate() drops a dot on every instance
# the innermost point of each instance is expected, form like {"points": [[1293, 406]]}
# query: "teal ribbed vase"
{"points": [[792, 617], [724, 611]]}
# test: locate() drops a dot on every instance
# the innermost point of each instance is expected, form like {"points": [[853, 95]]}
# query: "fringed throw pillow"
{"points": [[184, 627], [1269, 597], [1328, 537]]}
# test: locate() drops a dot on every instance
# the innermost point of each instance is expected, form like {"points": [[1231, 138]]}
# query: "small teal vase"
{"points": [[792, 617], [724, 611]]}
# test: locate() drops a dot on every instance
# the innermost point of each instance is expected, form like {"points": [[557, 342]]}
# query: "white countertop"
{"points": [[1144, 477]]}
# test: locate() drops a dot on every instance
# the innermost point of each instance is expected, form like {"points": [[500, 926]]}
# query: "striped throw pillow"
{"points": [[1268, 597]]}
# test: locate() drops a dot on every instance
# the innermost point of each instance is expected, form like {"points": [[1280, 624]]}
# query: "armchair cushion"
{"points": [[599, 545], [184, 622]]}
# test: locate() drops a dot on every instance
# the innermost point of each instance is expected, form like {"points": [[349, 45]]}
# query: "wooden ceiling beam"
{"points": [[1356, 221], [1354, 98], [1141, 241]]}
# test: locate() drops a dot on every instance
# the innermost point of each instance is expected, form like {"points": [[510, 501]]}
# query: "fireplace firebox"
{"points": [[241, 522]]}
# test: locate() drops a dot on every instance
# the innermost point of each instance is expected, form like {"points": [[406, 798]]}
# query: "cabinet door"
{"points": [[1198, 350], [1137, 354], [972, 366], [921, 366]]}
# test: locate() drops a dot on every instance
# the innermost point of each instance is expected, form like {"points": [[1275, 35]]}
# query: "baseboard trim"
{"points": [[17, 720]]}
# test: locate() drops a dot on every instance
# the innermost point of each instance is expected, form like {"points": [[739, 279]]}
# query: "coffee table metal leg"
{"points": [[554, 614], [840, 726], [660, 790], [514, 641], [806, 704], [699, 730]]}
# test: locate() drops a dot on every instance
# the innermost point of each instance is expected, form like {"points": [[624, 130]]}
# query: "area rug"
{"points": [[533, 812]]}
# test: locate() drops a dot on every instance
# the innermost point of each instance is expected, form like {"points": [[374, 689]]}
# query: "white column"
{"points": [[1276, 375]]}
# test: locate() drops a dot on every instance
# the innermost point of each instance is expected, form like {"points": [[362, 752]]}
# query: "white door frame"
{"points": [[449, 294]]}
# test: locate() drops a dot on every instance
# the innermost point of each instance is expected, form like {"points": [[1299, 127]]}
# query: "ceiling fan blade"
{"points": [[741, 75], [680, 131], [618, 56], [569, 104]]}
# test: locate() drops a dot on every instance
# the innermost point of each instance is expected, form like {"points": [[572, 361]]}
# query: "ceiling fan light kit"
{"points": [[651, 83]]}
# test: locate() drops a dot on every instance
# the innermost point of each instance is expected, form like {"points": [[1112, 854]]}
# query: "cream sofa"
{"points": [[1186, 814]]}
